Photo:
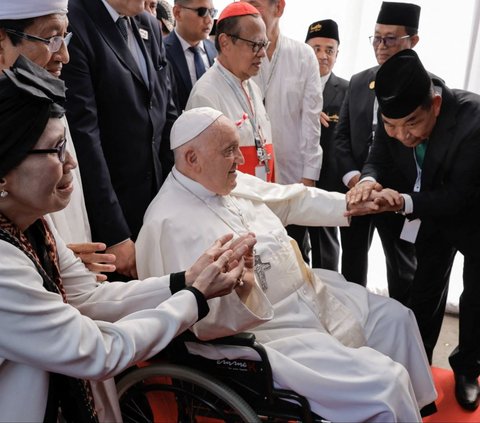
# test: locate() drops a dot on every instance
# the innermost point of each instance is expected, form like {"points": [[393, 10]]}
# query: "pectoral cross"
{"points": [[260, 269]]}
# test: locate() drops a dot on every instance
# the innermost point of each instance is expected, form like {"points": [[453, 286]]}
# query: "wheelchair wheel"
{"points": [[171, 393]]}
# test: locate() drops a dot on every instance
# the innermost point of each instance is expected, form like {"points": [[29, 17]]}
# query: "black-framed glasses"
{"points": [[203, 11], [60, 149], [256, 45], [389, 41], [54, 43]]}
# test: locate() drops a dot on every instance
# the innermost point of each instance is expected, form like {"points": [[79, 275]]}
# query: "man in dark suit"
{"points": [[120, 111], [430, 136], [189, 50], [396, 29], [323, 37]]}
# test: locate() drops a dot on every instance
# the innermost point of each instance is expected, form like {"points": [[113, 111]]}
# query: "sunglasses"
{"points": [[203, 11]]}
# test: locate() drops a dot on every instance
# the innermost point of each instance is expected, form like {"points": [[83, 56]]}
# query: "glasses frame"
{"points": [[202, 12], [256, 45], [53, 44], [395, 40], [60, 149]]}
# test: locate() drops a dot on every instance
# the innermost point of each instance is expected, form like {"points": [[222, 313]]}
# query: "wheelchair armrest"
{"points": [[243, 339]]}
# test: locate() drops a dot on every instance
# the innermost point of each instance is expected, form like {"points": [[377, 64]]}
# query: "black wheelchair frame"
{"points": [[223, 390]]}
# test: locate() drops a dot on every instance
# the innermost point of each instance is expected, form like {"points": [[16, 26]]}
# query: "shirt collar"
{"points": [[185, 44], [197, 189], [113, 13], [325, 79]]}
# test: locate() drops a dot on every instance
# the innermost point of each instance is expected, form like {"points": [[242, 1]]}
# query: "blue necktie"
{"points": [[199, 65]]}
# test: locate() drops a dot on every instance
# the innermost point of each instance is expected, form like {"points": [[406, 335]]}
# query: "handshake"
{"points": [[369, 197]]}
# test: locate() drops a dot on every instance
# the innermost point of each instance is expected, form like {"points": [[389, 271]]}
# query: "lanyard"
{"points": [[247, 101]]}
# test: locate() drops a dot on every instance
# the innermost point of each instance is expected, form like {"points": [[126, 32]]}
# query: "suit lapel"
{"points": [[108, 30], [330, 91], [211, 51], [178, 59]]}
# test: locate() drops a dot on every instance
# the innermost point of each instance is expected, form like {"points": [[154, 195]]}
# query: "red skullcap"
{"points": [[238, 8]]}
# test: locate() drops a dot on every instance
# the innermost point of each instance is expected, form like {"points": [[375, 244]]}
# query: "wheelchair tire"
{"points": [[171, 393]]}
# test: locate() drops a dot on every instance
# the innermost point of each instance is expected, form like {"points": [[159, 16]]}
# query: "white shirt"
{"points": [[189, 56], [291, 85]]}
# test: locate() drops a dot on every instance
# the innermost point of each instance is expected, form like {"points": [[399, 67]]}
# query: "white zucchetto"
{"points": [[24, 9], [192, 123]]}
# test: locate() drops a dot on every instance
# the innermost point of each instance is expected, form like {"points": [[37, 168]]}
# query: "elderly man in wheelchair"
{"points": [[353, 355]]}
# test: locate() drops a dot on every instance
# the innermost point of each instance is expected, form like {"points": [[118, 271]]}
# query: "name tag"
{"points": [[143, 34], [410, 230]]}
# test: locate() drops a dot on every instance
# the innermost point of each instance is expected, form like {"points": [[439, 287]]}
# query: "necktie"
{"points": [[199, 65], [122, 27], [420, 153]]}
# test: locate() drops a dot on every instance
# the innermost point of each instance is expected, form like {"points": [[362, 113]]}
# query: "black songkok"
{"points": [[402, 14], [402, 84], [29, 96], [325, 29]]}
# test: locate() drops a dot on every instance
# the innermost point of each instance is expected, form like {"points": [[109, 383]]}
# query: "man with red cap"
{"points": [[227, 86]]}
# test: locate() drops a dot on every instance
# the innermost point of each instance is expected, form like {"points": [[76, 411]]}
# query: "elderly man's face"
{"points": [[41, 183], [37, 51], [326, 50], [243, 59], [394, 38], [219, 156], [192, 27], [413, 129]]}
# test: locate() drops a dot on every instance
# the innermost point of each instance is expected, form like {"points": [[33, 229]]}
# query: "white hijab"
{"points": [[23, 9]]}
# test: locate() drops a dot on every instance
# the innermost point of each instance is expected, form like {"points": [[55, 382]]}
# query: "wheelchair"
{"points": [[178, 386]]}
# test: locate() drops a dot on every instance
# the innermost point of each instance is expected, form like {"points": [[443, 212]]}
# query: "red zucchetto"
{"points": [[238, 8]]}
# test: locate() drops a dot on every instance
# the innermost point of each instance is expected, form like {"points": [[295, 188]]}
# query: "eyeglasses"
{"points": [[203, 11], [60, 149], [54, 43], [256, 45], [388, 42]]}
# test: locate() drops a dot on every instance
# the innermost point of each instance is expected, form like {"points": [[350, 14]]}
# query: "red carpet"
{"points": [[448, 408]]}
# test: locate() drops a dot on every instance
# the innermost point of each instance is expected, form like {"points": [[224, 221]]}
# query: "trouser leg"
{"points": [[400, 256], [430, 288], [356, 240], [465, 359], [325, 247]]}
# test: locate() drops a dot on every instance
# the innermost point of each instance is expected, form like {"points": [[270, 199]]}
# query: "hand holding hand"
{"points": [[214, 281], [361, 192], [94, 258]]}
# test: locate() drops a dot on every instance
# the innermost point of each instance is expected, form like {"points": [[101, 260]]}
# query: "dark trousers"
{"points": [[400, 256], [299, 234], [325, 247]]}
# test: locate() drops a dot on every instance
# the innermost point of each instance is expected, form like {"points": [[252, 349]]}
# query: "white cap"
{"points": [[23, 9], [192, 123]]}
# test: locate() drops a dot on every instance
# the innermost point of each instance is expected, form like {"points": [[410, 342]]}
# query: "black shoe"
{"points": [[467, 391]]}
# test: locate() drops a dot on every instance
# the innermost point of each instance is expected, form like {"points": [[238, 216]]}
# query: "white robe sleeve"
{"points": [[41, 331], [295, 203]]}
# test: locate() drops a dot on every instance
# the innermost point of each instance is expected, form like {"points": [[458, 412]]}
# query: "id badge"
{"points": [[261, 172], [410, 230]]}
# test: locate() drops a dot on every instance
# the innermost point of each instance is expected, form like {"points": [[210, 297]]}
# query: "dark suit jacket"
{"points": [[333, 95], [353, 134], [176, 57], [120, 125], [450, 182]]}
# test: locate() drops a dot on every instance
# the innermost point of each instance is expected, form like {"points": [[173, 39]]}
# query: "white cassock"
{"points": [[290, 83], [221, 90], [356, 356]]}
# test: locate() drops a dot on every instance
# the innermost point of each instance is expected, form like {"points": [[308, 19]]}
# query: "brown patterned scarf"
{"points": [[74, 396]]}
